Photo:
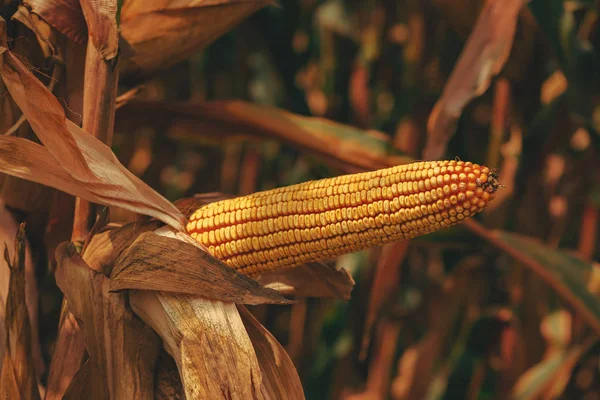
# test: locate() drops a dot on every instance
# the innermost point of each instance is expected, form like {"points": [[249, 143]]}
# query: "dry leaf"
{"points": [[64, 15], [341, 145], [281, 379], [483, 56], [310, 280], [17, 378], [163, 33], [178, 264], [89, 168], [122, 349], [201, 334], [101, 19]]}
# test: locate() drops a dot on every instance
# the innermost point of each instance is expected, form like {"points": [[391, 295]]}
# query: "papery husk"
{"points": [[172, 261], [207, 340], [17, 378], [122, 349], [483, 56], [89, 168]]}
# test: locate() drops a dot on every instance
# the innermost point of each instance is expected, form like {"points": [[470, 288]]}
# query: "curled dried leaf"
{"points": [[199, 334], [483, 56], [90, 168]]}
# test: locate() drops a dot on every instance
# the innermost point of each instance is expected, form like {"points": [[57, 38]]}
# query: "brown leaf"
{"points": [[64, 15], [343, 146], [18, 379], [483, 56], [163, 33], [101, 19], [178, 264], [311, 280], [87, 163], [201, 334], [281, 380], [122, 350]]}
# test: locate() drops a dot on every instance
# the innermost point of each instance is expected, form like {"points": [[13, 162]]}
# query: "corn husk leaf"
{"points": [[483, 56], [122, 349], [316, 279], [178, 264], [101, 19], [163, 33], [200, 334], [281, 380], [89, 168], [17, 378], [341, 145]]}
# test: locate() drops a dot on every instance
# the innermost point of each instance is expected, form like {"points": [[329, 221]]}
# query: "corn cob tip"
{"points": [[318, 220]]}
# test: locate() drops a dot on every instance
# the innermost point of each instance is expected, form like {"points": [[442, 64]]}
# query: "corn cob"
{"points": [[318, 220]]}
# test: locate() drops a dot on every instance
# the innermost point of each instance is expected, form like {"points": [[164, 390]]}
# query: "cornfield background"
{"points": [[104, 296]]}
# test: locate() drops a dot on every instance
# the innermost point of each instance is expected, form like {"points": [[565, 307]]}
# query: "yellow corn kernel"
{"points": [[318, 220]]}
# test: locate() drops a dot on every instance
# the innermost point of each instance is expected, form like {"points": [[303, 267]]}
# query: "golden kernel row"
{"points": [[415, 181]]}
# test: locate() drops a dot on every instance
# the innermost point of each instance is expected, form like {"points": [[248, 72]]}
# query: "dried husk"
{"points": [[122, 349], [207, 340], [174, 262], [483, 56]]}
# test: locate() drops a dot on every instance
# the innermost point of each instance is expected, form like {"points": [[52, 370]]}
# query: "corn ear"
{"points": [[318, 220]]}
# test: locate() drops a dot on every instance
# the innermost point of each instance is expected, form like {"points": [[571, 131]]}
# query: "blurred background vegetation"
{"points": [[450, 315]]}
